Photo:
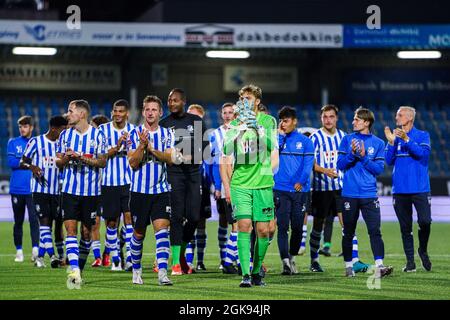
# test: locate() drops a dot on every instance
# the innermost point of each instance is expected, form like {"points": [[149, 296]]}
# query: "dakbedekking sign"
{"points": [[171, 34]]}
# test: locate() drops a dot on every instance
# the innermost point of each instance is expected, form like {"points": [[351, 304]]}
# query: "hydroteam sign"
{"points": [[171, 34], [394, 84], [397, 36]]}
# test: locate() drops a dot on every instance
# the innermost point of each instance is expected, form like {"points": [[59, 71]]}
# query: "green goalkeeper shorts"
{"points": [[254, 204]]}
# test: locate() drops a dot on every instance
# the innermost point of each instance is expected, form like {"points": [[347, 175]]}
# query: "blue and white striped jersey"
{"points": [[151, 176], [326, 154], [117, 171], [216, 140], [42, 153], [78, 178]]}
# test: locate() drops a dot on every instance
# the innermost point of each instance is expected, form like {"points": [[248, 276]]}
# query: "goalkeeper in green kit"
{"points": [[252, 143]]}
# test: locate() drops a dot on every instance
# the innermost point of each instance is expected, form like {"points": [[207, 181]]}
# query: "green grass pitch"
{"points": [[24, 281]]}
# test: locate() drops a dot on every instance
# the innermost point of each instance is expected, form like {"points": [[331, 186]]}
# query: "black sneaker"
{"points": [[426, 263], [384, 271], [201, 266], [287, 271], [257, 280], [246, 282], [325, 251], [315, 267], [229, 269], [410, 267]]}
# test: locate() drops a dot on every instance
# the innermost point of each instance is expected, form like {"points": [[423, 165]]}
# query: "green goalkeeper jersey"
{"points": [[251, 150]]}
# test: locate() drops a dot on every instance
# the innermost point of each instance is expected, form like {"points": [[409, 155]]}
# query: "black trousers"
{"points": [[185, 199], [290, 210], [403, 206], [370, 209], [19, 202]]}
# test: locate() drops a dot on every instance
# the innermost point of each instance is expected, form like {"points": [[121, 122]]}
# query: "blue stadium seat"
{"points": [[29, 108], [94, 108], [54, 108], [106, 108], [4, 131], [42, 110], [15, 110]]}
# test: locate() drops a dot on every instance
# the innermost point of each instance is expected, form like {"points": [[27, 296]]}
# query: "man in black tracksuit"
{"points": [[184, 176]]}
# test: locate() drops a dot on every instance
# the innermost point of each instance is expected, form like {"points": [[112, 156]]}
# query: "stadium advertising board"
{"points": [[264, 36], [224, 35], [397, 36], [172, 34], [394, 84], [20, 76], [91, 34], [272, 79]]}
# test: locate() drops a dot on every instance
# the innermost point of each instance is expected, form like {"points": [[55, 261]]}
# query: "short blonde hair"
{"points": [[197, 107], [410, 109], [254, 90]]}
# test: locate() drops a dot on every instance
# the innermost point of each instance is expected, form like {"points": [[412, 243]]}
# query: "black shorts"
{"points": [[225, 208], [205, 208], [326, 203], [308, 200], [115, 200], [80, 208], [149, 206], [100, 206], [46, 206]]}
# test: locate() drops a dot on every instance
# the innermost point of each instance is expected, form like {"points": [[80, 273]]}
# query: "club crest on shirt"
{"points": [[190, 128], [38, 208], [299, 145], [347, 206], [370, 150], [92, 144]]}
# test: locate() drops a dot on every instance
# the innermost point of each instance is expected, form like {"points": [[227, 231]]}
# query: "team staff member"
{"points": [[408, 150], [184, 176], [292, 186], [205, 209], [19, 188], [361, 158]]}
